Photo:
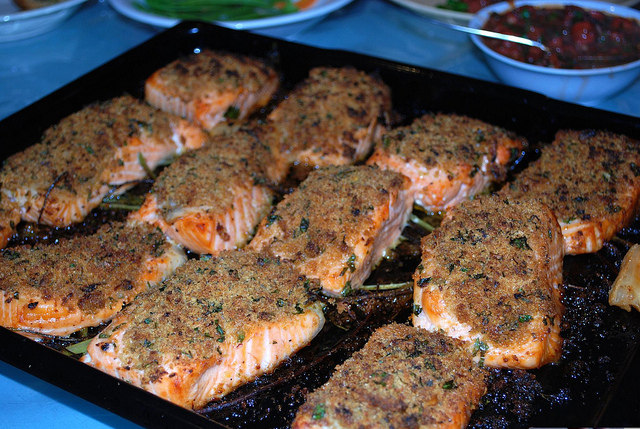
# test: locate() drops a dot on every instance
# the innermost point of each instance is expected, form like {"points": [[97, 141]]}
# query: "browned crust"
{"points": [[208, 177], [206, 303], [73, 154], [448, 140], [328, 111], [403, 377], [492, 261], [88, 273], [192, 76], [330, 214], [590, 177]]}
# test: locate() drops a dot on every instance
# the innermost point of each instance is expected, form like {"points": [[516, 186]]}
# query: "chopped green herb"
{"points": [[232, 113], [319, 412], [448, 385], [272, 218], [79, 348], [220, 332], [424, 281], [417, 309], [520, 243]]}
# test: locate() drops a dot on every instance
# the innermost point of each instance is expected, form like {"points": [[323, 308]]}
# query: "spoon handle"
{"points": [[490, 34]]}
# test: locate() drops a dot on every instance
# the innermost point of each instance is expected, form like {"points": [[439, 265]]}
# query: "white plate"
{"points": [[320, 8], [430, 8], [16, 24]]}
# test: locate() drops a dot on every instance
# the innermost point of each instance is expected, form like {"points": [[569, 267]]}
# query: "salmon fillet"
{"points": [[57, 289], [590, 179], [331, 118], [404, 377], [491, 275], [210, 87], [103, 149], [448, 157], [337, 225], [213, 198], [217, 324]]}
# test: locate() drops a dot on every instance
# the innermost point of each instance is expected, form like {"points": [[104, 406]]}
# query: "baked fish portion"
{"points": [[210, 87], [448, 157], [103, 149], [491, 275], [403, 377], [337, 225], [213, 198], [590, 179], [217, 324], [57, 289], [331, 118]]}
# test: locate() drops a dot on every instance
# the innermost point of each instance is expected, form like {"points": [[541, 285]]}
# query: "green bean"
{"points": [[217, 10]]}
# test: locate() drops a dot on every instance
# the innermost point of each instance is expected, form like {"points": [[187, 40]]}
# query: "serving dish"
{"points": [[593, 385], [433, 9], [319, 9], [578, 86], [17, 24]]}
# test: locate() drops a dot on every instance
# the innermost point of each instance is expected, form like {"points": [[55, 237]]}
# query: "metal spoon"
{"points": [[491, 34]]}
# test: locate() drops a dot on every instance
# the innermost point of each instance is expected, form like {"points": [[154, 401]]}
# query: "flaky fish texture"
{"points": [[448, 157], [103, 149], [491, 275], [210, 87], [215, 325], [57, 289], [337, 225], [213, 198]]}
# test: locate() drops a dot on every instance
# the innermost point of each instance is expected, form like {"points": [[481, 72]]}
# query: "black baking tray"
{"points": [[595, 384]]}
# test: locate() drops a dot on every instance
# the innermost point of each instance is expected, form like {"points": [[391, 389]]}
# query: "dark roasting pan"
{"points": [[594, 384]]}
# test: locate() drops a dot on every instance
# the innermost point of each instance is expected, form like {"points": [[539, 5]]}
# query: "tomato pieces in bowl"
{"points": [[595, 47], [578, 38]]}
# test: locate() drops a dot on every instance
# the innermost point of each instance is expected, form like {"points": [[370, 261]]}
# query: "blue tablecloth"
{"points": [[32, 68]]}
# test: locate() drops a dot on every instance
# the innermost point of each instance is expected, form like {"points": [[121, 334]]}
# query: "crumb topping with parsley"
{"points": [[209, 177], [584, 176], [208, 303], [492, 260], [75, 154], [86, 272], [329, 111], [449, 140], [403, 377], [206, 72]]}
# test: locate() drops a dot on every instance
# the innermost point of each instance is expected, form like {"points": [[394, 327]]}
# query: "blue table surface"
{"points": [[34, 67]]}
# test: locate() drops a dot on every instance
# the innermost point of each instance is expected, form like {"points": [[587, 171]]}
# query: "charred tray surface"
{"points": [[592, 385]]}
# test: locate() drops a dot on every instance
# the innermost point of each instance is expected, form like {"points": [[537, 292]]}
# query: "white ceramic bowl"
{"points": [[16, 24], [578, 86]]}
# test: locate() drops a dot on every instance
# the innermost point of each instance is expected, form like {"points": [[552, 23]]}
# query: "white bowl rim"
{"points": [[479, 18], [41, 11]]}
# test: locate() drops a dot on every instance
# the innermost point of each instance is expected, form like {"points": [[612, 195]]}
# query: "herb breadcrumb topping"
{"points": [[74, 153], [208, 177], [214, 72], [86, 272], [208, 303], [493, 260], [404, 377]]}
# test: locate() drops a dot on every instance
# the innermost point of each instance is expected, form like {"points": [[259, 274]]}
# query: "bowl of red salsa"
{"points": [[594, 47]]}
